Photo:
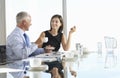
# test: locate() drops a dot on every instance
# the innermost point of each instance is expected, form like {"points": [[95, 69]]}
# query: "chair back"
{"points": [[110, 45], [110, 42]]}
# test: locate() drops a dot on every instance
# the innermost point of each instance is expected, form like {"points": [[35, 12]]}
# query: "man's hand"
{"points": [[49, 49]]}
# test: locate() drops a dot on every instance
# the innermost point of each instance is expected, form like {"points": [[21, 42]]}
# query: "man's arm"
{"points": [[37, 52]]}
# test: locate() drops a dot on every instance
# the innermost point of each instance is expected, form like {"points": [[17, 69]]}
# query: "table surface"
{"points": [[6, 70]]}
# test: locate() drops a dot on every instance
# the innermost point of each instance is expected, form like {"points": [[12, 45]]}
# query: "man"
{"points": [[18, 45]]}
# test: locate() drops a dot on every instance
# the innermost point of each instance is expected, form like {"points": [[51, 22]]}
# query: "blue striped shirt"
{"points": [[16, 49]]}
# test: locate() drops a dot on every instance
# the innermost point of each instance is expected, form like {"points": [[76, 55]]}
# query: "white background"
{"points": [[94, 19]]}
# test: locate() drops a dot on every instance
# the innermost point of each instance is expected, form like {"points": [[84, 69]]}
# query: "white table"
{"points": [[36, 69], [38, 73], [51, 55], [5, 70], [71, 57]]}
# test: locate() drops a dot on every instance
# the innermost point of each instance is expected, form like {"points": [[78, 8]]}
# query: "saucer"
{"points": [[40, 68]]}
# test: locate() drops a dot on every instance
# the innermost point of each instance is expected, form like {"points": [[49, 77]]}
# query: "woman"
{"points": [[55, 38]]}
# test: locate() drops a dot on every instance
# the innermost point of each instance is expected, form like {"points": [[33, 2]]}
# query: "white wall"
{"points": [[94, 20], [40, 10]]}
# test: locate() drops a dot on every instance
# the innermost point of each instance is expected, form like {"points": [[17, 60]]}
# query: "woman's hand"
{"points": [[73, 29]]}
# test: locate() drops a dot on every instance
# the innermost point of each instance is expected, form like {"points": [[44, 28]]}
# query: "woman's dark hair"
{"points": [[61, 21]]}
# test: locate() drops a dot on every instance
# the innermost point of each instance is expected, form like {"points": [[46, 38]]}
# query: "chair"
{"points": [[110, 45]]}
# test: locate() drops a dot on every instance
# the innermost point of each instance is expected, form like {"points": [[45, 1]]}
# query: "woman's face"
{"points": [[55, 23]]}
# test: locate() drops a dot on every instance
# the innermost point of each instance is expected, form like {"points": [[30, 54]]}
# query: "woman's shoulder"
{"points": [[46, 31]]}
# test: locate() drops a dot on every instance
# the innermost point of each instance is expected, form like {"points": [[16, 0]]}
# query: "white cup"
{"points": [[45, 39], [35, 62]]}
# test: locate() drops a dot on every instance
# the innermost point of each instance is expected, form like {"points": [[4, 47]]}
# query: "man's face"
{"points": [[27, 23]]}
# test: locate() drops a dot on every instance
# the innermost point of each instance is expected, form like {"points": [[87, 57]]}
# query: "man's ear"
{"points": [[24, 22]]}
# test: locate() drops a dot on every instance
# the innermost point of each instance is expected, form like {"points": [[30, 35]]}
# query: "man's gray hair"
{"points": [[21, 16]]}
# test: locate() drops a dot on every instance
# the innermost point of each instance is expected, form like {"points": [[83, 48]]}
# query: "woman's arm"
{"points": [[40, 40], [66, 42]]}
